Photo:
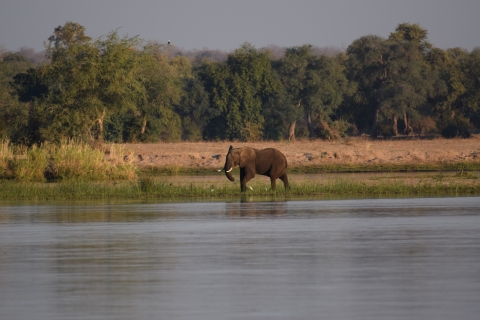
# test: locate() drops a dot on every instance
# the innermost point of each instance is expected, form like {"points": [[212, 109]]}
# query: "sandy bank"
{"points": [[355, 151]]}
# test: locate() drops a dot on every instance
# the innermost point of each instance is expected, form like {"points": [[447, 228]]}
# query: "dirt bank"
{"points": [[355, 151]]}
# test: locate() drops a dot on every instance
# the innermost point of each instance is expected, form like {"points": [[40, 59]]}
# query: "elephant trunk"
{"points": [[228, 167], [228, 173]]}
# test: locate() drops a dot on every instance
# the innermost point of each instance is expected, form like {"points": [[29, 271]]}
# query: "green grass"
{"points": [[148, 188], [328, 168], [337, 168], [80, 172]]}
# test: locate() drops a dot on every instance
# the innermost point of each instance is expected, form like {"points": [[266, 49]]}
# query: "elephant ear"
{"points": [[230, 149], [247, 155]]}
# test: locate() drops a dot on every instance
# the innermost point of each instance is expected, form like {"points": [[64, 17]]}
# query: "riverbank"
{"points": [[186, 189], [170, 171], [347, 155]]}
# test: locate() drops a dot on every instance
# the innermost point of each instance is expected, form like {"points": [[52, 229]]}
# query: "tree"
{"points": [[449, 85], [15, 64], [214, 76], [161, 78], [469, 103], [238, 89], [13, 113], [392, 74], [314, 88], [293, 75], [326, 86], [194, 109], [412, 80], [29, 85], [87, 82]]}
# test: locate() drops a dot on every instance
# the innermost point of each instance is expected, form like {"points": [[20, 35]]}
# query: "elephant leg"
{"points": [[273, 183], [245, 176], [243, 183], [284, 178]]}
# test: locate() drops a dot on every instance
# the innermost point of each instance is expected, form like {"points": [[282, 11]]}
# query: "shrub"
{"points": [[458, 128], [425, 125]]}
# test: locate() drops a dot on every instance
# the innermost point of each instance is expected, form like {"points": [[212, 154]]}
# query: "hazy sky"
{"points": [[226, 24]]}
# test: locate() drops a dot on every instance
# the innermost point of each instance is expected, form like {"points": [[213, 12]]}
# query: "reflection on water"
{"points": [[269, 259], [249, 207]]}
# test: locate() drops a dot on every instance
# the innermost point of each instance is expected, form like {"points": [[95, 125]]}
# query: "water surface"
{"points": [[337, 259]]}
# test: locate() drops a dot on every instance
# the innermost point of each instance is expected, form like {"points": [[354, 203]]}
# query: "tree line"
{"points": [[123, 89]]}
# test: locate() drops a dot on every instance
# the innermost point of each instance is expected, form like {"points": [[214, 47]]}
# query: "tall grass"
{"points": [[70, 160], [6, 155], [32, 168]]}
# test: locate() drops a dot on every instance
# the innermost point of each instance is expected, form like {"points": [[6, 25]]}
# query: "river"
{"points": [[241, 259]]}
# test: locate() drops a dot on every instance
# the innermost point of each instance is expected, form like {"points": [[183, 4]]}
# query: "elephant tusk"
{"points": [[229, 169], [220, 170]]}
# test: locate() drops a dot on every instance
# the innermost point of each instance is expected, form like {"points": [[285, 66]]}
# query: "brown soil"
{"points": [[355, 151]]}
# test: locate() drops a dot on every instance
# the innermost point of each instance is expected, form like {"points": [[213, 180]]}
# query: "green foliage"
{"points": [[292, 71], [449, 82], [121, 89], [326, 88], [457, 128], [88, 81], [162, 81], [469, 104], [15, 64], [392, 75], [13, 113], [239, 89], [194, 109], [29, 85]]}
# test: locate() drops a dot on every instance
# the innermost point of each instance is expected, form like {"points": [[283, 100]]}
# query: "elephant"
{"points": [[268, 162]]}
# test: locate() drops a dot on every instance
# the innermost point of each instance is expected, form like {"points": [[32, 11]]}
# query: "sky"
{"points": [[227, 24]]}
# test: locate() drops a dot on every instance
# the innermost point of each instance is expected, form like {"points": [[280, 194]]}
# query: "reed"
{"points": [[70, 160], [32, 168], [6, 155]]}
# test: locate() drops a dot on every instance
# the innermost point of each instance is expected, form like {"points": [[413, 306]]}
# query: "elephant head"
{"points": [[232, 159]]}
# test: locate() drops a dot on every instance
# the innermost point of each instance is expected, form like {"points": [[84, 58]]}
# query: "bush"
{"points": [[425, 125], [458, 128]]}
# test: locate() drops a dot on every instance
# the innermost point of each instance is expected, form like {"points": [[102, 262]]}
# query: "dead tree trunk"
{"points": [[291, 131], [395, 125], [408, 129], [100, 126], [375, 121], [292, 126], [309, 125], [144, 125]]}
